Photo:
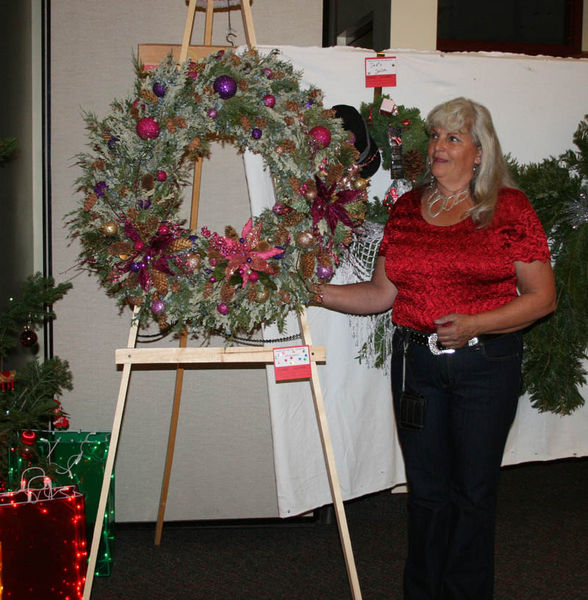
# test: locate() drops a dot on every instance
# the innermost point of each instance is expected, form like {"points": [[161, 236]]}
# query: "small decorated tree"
{"points": [[28, 394]]}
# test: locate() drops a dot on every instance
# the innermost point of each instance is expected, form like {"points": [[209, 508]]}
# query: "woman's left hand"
{"points": [[454, 330]]}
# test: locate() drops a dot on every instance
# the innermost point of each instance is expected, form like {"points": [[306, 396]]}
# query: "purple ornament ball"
{"points": [[256, 133], [159, 89], [324, 272], [225, 86], [268, 73], [157, 306]]}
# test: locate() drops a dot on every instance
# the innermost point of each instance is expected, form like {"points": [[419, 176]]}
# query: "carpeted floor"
{"points": [[541, 549]]}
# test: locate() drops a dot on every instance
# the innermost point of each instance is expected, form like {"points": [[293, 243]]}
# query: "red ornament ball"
{"points": [[269, 100], [28, 337], [161, 175], [27, 453], [28, 437], [148, 128], [321, 136]]}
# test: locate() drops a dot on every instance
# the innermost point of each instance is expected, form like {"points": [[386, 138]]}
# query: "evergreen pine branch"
{"points": [[33, 309], [556, 347]]}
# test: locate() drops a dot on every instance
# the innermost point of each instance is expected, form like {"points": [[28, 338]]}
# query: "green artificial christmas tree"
{"points": [[28, 393]]}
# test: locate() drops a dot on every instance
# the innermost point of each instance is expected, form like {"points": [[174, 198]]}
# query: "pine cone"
{"points": [[179, 245], [179, 122], [414, 164], [292, 219], [149, 96], [162, 322], [245, 122], [89, 202], [307, 264], [231, 232], [159, 281], [335, 173], [170, 125], [227, 293], [252, 292], [324, 258], [243, 85], [120, 248], [136, 301], [148, 182]]}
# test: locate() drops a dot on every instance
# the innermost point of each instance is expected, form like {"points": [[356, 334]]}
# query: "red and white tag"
{"points": [[380, 71], [292, 363]]}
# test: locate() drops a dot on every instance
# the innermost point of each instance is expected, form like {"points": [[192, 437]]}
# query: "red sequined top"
{"points": [[457, 268]]}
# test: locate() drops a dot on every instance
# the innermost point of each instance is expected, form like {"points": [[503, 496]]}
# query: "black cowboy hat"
{"points": [[369, 153]]}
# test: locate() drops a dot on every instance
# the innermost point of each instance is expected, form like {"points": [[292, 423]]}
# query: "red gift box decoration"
{"points": [[42, 543]]}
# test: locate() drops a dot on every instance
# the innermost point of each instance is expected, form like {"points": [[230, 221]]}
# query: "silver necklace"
{"points": [[445, 203]]}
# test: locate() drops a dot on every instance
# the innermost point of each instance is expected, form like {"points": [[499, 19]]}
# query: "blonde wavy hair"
{"points": [[462, 114]]}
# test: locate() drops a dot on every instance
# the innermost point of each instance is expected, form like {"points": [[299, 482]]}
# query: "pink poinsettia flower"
{"points": [[330, 206], [242, 254]]}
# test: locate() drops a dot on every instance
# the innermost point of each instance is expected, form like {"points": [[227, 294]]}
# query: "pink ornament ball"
{"points": [[269, 100], [212, 113], [253, 276], [222, 308], [157, 306], [148, 128], [139, 245], [268, 73], [161, 175], [324, 272], [321, 135]]}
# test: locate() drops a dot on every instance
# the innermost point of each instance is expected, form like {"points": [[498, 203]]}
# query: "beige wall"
{"points": [[413, 24], [223, 464]]}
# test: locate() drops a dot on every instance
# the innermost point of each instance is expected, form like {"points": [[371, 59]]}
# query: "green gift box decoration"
{"points": [[77, 458]]}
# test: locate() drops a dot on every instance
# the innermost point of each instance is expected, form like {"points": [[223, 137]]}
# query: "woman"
{"points": [[465, 265]]}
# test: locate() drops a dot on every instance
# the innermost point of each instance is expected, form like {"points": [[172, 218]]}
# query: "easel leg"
{"points": [[321, 416], [109, 467], [171, 442]]}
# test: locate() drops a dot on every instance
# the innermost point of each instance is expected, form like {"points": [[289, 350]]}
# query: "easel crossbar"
{"points": [[240, 354]]}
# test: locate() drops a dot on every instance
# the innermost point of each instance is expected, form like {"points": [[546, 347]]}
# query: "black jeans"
{"points": [[453, 463]]}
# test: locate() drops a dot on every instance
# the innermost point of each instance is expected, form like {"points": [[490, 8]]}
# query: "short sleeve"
{"points": [[527, 239]]}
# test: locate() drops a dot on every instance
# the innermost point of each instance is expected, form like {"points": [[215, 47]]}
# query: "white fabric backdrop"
{"points": [[536, 103]]}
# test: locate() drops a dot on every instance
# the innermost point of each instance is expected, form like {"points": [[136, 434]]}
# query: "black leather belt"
{"points": [[430, 340]]}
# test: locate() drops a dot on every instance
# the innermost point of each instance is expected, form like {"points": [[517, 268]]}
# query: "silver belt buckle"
{"points": [[434, 347]]}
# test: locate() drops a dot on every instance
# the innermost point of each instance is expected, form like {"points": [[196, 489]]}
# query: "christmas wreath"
{"points": [[141, 157]]}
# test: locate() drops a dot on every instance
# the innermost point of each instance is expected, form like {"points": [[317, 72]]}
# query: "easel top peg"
{"points": [[211, 6]]}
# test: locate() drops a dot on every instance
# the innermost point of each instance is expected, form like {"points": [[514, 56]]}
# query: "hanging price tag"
{"points": [[380, 71], [292, 363]]}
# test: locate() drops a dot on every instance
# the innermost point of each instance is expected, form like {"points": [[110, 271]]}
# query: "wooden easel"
{"points": [[153, 54]]}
